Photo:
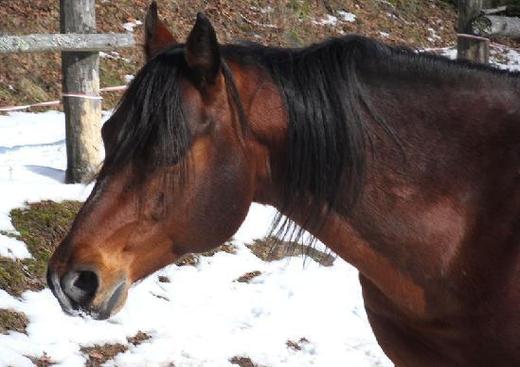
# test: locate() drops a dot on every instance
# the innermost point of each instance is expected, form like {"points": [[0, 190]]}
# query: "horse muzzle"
{"points": [[81, 291]]}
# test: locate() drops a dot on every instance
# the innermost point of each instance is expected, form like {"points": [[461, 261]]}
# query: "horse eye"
{"points": [[204, 125]]}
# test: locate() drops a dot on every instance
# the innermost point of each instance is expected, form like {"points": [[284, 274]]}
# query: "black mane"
{"points": [[327, 99], [327, 136]]}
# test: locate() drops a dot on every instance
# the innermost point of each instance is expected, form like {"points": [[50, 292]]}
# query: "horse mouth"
{"points": [[97, 310], [112, 304]]}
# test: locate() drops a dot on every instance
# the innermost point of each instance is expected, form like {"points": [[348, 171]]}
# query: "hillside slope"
{"points": [[29, 78]]}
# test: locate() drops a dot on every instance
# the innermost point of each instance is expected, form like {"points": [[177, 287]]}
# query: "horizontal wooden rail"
{"points": [[66, 42], [492, 25]]}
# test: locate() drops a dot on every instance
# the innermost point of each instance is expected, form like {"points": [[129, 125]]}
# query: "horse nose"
{"points": [[80, 286]]}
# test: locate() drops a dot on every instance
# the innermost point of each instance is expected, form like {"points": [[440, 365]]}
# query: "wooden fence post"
{"points": [[81, 100], [470, 47]]}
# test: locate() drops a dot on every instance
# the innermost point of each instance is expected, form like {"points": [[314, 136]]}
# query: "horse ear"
{"points": [[202, 50], [156, 34]]}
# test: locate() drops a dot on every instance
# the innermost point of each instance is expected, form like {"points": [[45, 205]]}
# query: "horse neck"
{"points": [[267, 118], [418, 206]]}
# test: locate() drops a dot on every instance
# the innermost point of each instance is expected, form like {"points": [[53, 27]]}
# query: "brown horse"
{"points": [[406, 165]]}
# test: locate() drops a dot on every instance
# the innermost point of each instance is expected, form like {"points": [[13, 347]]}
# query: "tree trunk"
{"points": [[468, 10]]}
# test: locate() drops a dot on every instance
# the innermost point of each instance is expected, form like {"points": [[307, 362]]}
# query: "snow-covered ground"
{"points": [[501, 56], [202, 317]]}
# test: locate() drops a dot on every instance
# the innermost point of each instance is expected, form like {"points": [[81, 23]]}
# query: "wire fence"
{"points": [[60, 101]]}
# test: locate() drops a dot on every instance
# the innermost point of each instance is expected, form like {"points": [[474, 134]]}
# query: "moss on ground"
{"points": [[12, 321], [41, 226], [99, 354], [242, 361]]}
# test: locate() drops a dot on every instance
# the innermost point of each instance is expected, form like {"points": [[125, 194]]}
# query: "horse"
{"points": [[406, 165]]}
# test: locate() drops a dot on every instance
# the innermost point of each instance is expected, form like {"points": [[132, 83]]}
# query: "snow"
{"points": [[203, 316], [12, 248], [265, 10], [331, 20], [129, 26], [114, 55], [433, 35], [326, 20], [500, 56], [346, 16], [512, 60]]}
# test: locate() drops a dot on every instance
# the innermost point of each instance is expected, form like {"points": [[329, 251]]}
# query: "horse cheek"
{"points": [[227, 197]]}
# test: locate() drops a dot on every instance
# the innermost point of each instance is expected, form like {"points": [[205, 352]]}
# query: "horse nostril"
{"points": [[80, 286]]}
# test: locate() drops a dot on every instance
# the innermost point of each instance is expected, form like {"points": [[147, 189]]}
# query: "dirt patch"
{"points": [[193, 259], [243, 362], [41, 226], [99, 354], [228, 248], [246, 278], [138, 338], [163, 279], [297, 345], [271, 249], [43, 361], [12, 321], [188, 260]]}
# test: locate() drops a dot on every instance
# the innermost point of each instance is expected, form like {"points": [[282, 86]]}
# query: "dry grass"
{"points": [[99, 354], [26, 78], [242, 362], [270, 249]]}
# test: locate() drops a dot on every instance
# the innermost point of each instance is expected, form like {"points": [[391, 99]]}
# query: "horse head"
{"points": [[177, 176]]}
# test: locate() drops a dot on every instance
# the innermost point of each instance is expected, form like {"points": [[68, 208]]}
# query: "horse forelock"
{"points": [[151, 130]]}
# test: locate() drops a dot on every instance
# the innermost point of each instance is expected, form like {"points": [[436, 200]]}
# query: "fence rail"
{"points": [[65, 42], [80, 45]]}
